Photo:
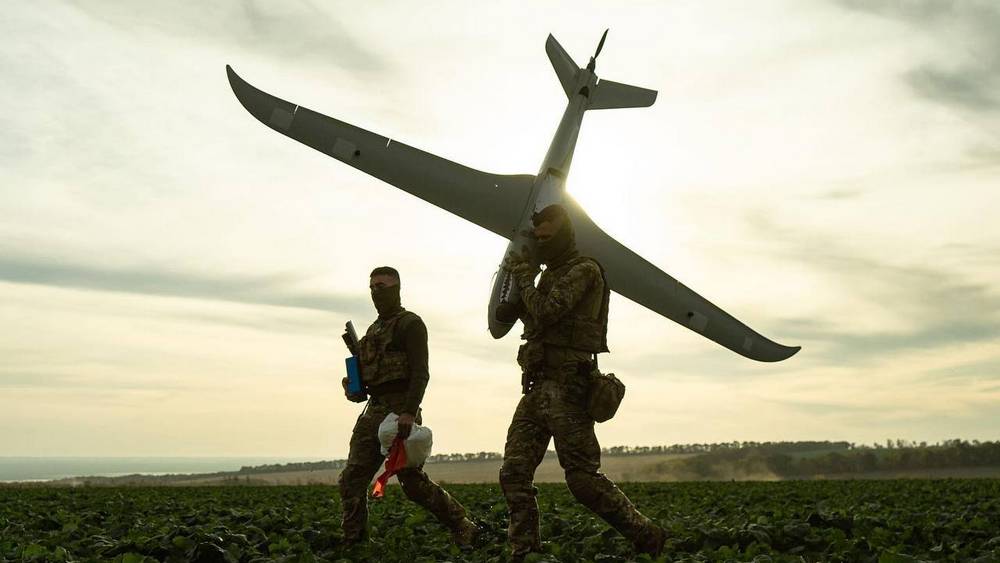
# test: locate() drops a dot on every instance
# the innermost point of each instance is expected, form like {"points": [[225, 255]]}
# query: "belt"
{"points": [[565, 373], [386, 400]]}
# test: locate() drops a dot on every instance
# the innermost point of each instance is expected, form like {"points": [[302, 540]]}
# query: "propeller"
{"points": [[593, 60]]}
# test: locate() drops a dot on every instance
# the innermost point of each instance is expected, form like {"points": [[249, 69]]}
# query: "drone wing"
{"points": [[634, 277], [492, 201]]}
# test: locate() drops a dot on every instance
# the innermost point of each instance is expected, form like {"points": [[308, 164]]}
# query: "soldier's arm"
{"points": [[564, 295], [414, 337]]}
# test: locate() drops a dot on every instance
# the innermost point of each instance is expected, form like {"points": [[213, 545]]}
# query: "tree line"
{"points": [[789, 447], [743, 463]]}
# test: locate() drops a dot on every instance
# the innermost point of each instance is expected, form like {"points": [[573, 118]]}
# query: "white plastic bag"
{"points": [[417, 445]]}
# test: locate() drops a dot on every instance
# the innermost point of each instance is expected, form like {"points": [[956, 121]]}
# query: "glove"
{"points": [[404, 426], [351, 397], [521, 269]]}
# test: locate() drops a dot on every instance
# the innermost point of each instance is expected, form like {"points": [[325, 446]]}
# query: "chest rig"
{"points": [[582, 329], [380, 365], [585, 327]]}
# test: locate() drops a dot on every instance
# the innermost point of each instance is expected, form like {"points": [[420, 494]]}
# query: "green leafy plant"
{"points": [[876, 521]]}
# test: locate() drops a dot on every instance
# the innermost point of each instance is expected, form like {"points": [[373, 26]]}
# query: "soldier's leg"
{"points": [[419, 488], [527, 440], [580, 456], [363, 461]]}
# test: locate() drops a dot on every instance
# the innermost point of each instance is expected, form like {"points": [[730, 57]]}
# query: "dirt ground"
{"points": [[617, 468]]}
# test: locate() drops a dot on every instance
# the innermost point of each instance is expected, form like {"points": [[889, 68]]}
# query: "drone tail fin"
{"points": [[611, 95], [607, 94], [566, 69]]}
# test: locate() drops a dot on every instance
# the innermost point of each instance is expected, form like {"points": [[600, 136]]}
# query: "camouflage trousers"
{"points": [[364, 461], [558, 410]]}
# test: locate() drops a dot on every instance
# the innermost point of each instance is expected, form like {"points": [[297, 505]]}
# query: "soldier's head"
{"points": [[553, 232], [384, 285]]}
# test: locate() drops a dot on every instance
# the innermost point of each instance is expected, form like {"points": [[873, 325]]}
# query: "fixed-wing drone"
{"points": [[505, 204]]}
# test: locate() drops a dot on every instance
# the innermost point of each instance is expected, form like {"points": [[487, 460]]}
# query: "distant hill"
{"points": [[775, 460]]}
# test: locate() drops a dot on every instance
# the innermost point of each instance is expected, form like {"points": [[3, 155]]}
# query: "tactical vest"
{"points": [[585, 327], [379, 364]]}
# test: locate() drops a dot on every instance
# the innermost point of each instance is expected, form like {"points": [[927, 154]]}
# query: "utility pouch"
{"points": [[530, 356], [604, 395]]}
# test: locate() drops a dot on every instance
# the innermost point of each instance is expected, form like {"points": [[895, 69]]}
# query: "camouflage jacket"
{"points": [[565, 317]]}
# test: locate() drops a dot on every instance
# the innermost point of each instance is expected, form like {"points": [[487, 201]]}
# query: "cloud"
{"points": [[289, 30], [283, 324], [917, 11], [820, 408], [18, 379], [973, 369], [840, 194], [966, 32], [850, 348], [967, 88], [122, 117], [72, 382], [939, 306], [983, 155], [978, 253], [275, 290]]}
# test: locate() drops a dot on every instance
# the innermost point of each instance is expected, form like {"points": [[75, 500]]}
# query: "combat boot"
{"points": [[651, 542], [357, 542], [466, 533]]}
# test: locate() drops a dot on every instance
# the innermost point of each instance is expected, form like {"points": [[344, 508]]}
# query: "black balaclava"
{"points": [[386, 300], [563, 242]]}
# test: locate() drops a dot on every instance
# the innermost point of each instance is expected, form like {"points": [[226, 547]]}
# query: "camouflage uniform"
{"points": [[565, 322], [392, 391]]}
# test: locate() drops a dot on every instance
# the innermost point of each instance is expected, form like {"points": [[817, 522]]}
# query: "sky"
{"points": [[174, 276]]}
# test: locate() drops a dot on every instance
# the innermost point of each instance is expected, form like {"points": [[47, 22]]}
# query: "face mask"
{"points": [[557, 245], [386, 299]]}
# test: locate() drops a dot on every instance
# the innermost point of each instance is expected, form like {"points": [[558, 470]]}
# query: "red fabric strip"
{"points": [[395, 461]]}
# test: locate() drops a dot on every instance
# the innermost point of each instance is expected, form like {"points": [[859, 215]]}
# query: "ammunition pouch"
{"points": [[580, 334], [531, 356], [391, 366], [379, 365]]}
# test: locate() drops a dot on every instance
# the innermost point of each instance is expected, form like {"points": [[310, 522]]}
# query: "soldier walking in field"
{"points": [[393, 359], [565, 327]]}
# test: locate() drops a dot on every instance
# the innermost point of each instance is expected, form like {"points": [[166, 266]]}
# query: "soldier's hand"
{"points": [[507, 312], [512, 260], [524, 274], [521, 269], [351, 397], [404, 425]]}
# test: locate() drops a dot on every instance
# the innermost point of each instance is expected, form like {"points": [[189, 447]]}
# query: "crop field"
{"points": [[880, 521]]}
